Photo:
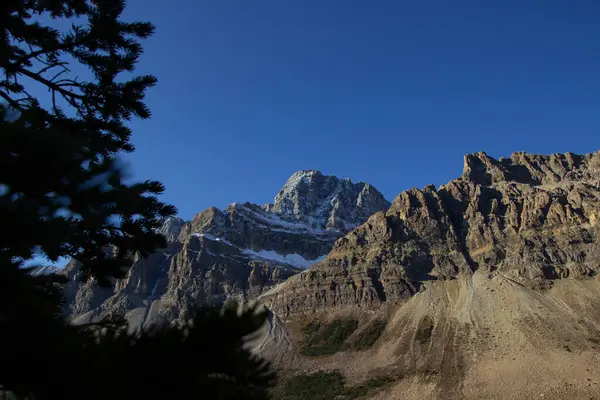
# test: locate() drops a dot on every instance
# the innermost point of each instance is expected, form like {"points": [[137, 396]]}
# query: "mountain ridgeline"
{"points": [[240, 252], [531, 218]]}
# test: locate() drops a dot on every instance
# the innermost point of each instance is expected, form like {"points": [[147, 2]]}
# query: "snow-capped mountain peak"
{"points": [[242, 251], [326, 202]]}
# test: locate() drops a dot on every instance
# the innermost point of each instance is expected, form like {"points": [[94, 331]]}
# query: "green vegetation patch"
{"points": [[369, 386], [369, 335], [325, 339], [325, 385], [328, 385]]}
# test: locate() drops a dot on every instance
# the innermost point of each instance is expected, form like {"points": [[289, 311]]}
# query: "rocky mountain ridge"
{"points": [[532, 218], [486, 287], [241, 251]]}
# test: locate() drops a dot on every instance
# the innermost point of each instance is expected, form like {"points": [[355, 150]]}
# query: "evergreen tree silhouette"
{"points": [[62, 192]]}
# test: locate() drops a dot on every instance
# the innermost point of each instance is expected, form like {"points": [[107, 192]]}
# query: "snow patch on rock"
{"points": [[291, 259]]}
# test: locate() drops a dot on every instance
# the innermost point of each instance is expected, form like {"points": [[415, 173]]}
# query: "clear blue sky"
{"points": [[389, 92]]}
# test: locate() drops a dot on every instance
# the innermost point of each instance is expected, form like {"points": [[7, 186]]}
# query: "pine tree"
{"points": [[205, 358], [63, 189], [62, 192]]}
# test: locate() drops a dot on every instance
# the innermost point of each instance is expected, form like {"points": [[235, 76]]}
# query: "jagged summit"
{"points": [[326, 202], [308, 202]]}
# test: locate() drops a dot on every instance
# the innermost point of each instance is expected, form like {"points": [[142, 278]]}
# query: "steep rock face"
{"points": [[326, 202], [171, 228], [240, 252], [528, 217]]}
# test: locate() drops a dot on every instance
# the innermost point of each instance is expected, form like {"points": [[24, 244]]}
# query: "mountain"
{"points": [[531, 218], [239, 252], [486, 287]]}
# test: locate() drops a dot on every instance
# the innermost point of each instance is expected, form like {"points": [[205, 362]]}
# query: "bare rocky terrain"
{"points": [[482, 336], [488, 287]]}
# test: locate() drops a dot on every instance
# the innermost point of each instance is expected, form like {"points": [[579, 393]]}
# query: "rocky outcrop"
{"points": [[531, 218], [327, 202], [240, 252], [171, 228]]}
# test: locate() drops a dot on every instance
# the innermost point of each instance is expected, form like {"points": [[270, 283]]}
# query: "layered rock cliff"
{"points": [[239, 252], [531, 218]]}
